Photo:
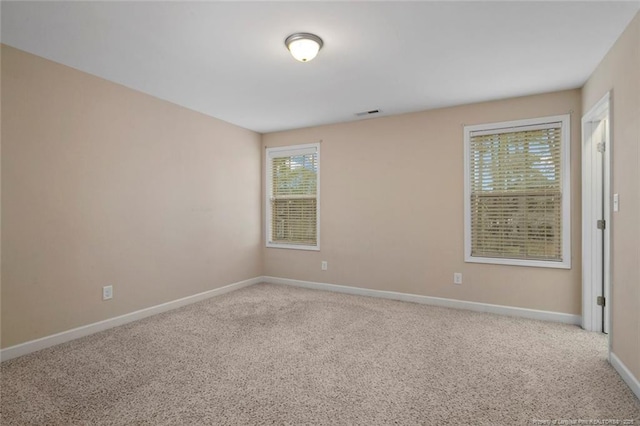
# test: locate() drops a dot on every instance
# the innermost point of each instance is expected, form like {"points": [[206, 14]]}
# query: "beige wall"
{"points": [[0, 201], [619, 73], [392, 208], [104, 185]]}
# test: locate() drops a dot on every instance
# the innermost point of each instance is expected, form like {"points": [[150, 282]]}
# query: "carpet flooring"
{"points": [[271, 354]]}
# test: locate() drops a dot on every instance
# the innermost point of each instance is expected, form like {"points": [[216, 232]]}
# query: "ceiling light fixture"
{"points": [[303, 46]]}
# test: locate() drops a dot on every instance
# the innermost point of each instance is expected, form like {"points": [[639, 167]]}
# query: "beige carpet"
{"points": [[280, 355]]}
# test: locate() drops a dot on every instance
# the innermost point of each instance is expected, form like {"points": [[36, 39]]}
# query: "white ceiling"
{"points": [[228, 59]]}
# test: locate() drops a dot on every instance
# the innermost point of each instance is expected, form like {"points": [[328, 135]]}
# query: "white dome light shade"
{"points": [[303, 46]]}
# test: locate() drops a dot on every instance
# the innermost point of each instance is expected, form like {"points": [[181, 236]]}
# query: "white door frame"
{"points": [[596, 195]]}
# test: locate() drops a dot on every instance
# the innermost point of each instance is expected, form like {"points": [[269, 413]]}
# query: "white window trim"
{"points": [[566, 194], [286, 151]]}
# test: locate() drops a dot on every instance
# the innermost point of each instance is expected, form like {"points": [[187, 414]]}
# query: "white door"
{"points": [[596, 222]]}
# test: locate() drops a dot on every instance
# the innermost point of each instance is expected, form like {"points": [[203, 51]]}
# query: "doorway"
{"points": [[596, 223]]}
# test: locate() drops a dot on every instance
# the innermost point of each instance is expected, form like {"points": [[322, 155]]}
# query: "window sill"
{"points": [[293, 247], [519, 262]]}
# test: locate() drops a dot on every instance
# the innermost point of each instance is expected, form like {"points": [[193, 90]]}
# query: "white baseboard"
{"points": [[85, 330], [625, 373], [436, 301]]}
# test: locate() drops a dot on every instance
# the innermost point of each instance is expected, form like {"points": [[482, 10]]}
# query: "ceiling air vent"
{"points": [[365, 113]]}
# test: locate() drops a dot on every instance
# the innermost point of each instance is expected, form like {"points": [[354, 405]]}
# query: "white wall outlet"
{"points": [[324, 265], [457, 278], [107, 292]]}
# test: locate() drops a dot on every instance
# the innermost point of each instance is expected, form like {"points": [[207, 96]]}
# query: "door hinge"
{"points": [[601, 147], [601, 224], [601, 301]]}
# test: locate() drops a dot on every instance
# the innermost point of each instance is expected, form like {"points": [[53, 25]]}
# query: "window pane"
{"points": [[515, 182], [294, 221], [294, 175], [293, 198], [524, 226]]}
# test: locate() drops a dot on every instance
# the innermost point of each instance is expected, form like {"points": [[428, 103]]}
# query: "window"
{"points": [[517, 181], [293, 178]]}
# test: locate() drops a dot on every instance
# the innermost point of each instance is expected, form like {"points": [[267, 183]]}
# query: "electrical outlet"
{"points": [[457, 278], [324, 265], [107, 292]]}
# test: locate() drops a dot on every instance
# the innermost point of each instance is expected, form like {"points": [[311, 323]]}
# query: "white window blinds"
{"points": [[515, 187], [292, 217]]}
